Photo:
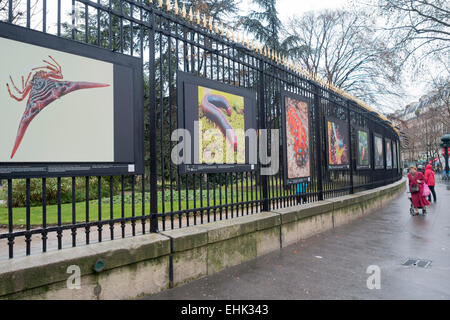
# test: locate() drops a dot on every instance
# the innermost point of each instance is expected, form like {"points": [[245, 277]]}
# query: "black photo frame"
{"points": [[377, 162], [341, 124], [395, 154], [188, 112], [284, 96], [386, 142], [128, 111], [359, 165]]}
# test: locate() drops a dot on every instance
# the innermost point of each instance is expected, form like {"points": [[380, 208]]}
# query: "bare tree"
{"points": [[440, 105], [344, 48], [17, 14], [419, 29]]}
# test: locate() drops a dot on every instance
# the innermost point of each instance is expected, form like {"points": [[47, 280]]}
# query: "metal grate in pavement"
{"points": [[420, 263]]}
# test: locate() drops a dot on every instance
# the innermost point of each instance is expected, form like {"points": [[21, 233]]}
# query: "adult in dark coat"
{"points": [[416, 178]]}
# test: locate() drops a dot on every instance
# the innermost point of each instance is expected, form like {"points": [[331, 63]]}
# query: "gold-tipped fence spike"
{"points": [[210, 24], [183, 11], [160, 3], [191, 15], [168, 5], [199, 21], [217, 27], [176, 9], [205, 21]]}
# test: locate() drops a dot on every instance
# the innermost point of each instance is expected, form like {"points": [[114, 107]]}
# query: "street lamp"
{"points": [[446, 145]]}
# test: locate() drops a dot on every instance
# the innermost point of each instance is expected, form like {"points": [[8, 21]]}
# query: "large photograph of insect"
{"points": [[216, 117], [378, 151], [66, 109], [362, 150], [296, 137], [388, 154], [337, 143]]}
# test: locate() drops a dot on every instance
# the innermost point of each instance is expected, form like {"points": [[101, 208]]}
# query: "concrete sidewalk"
{"points": [[333, 265]]}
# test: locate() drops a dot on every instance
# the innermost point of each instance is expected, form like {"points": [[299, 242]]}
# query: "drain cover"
{"points": [[421, 263]]}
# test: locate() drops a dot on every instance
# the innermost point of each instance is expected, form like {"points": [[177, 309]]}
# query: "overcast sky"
{"points": [[414, 88]]}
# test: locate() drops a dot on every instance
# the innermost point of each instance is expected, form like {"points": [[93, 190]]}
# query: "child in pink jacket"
{"points": [[429, 180]]}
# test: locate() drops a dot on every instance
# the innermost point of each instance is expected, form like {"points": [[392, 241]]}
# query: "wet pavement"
{"points": [[334, 264]]}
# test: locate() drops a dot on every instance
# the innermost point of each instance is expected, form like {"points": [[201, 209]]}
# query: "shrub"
{"points": [[19, 190]]}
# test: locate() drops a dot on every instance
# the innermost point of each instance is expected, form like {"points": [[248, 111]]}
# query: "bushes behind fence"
{"points": [[19, 190]]}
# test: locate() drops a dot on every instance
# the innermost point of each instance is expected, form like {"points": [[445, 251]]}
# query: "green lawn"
{"points": [[19, 214]]}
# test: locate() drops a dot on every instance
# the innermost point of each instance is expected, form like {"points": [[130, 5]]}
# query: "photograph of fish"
{"points": [[388, 154], [378, 150], [363, 149], [337, 145], [225, 112], [297, 139]]}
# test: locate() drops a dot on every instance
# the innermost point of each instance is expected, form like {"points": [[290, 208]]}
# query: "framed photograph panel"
{"points": [[68, 109], [362, 149], [220, 121], [378, 151], [389, 159], [296, 138], [337, 144]]}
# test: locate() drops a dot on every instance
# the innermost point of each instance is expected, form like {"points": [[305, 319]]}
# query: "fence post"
{"points": [[262, 125], [350, 148], [318, 120], [152, 129]]}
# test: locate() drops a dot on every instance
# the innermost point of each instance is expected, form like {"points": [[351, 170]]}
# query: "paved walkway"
{"points": [[333, 265]]}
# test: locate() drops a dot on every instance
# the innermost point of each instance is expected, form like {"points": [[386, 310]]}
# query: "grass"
{"points": [[171, 202], [19, 214]]}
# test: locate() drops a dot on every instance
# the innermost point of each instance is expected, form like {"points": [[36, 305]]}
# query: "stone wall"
{"points": [[148, 264]]}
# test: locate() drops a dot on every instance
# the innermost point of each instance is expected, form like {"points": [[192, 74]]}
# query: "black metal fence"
{"points": [[40, 214]]}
